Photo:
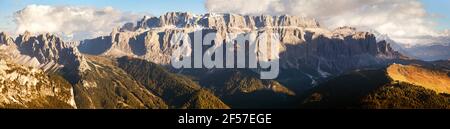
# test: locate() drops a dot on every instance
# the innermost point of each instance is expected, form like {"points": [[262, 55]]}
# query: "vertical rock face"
{"points": [[333, 51], [177, 19], [25, 87], [5, 39], [44, 47], [50, 50], [221, 21], [173, 19], [387, 50], [35, 86], [92, 84], [302, 42]]}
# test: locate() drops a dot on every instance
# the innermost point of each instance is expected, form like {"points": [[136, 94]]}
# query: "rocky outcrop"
{"points": [[386, 50], [334, 51], [47, 48], [222, 21], [5, 39], [304, 44], [26, 87]]}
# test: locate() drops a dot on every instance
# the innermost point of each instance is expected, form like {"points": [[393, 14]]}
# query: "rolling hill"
{"points": [[393, 87]]}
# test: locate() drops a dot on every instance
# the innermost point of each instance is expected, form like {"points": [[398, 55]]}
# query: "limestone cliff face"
{"points": [[223, 21], [44, 47], [334, 51], [44, 51], [5, 39], [26, 87], [303, 42]]}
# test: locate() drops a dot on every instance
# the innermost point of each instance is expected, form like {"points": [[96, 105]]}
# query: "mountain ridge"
{"points": [[304, 44], [380, 89], [130, 68]]}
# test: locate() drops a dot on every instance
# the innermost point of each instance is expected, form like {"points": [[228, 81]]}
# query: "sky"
{"points": [[153, 7], [403, 20], [440, 8]]}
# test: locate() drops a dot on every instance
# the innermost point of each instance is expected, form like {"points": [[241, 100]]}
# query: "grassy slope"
{"points": [[373, 89]]}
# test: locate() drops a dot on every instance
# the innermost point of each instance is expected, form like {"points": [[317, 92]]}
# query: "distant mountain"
{"points": [[397, 86], [442, 64], [401, 48], [427, 52], [431, 52]]}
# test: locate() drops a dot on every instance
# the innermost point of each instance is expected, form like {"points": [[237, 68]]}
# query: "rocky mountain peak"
{"points": [[386, 50], [5, 39], [45, 47], [226, 20], [46, 51], [345, 31], [303, 42], [178, 19], [25, 36]]}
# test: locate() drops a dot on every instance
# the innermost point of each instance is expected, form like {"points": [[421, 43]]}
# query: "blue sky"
{"points": [[155, 7], [441, 8]]}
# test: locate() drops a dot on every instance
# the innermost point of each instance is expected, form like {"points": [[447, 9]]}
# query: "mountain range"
{"points": [[130, 68], [438, 50]]}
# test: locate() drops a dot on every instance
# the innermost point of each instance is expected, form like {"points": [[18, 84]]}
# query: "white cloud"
{"points": [[446, 32], [402, 20], [71, 22]]}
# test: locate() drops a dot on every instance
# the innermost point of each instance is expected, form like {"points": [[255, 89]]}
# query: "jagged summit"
{"points": [[46, 51], [215, 21], [5, 39], [304, 43]]}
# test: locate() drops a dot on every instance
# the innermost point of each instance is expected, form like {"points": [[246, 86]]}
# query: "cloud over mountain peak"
{"points": [[400, 19], [71, 22]]}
